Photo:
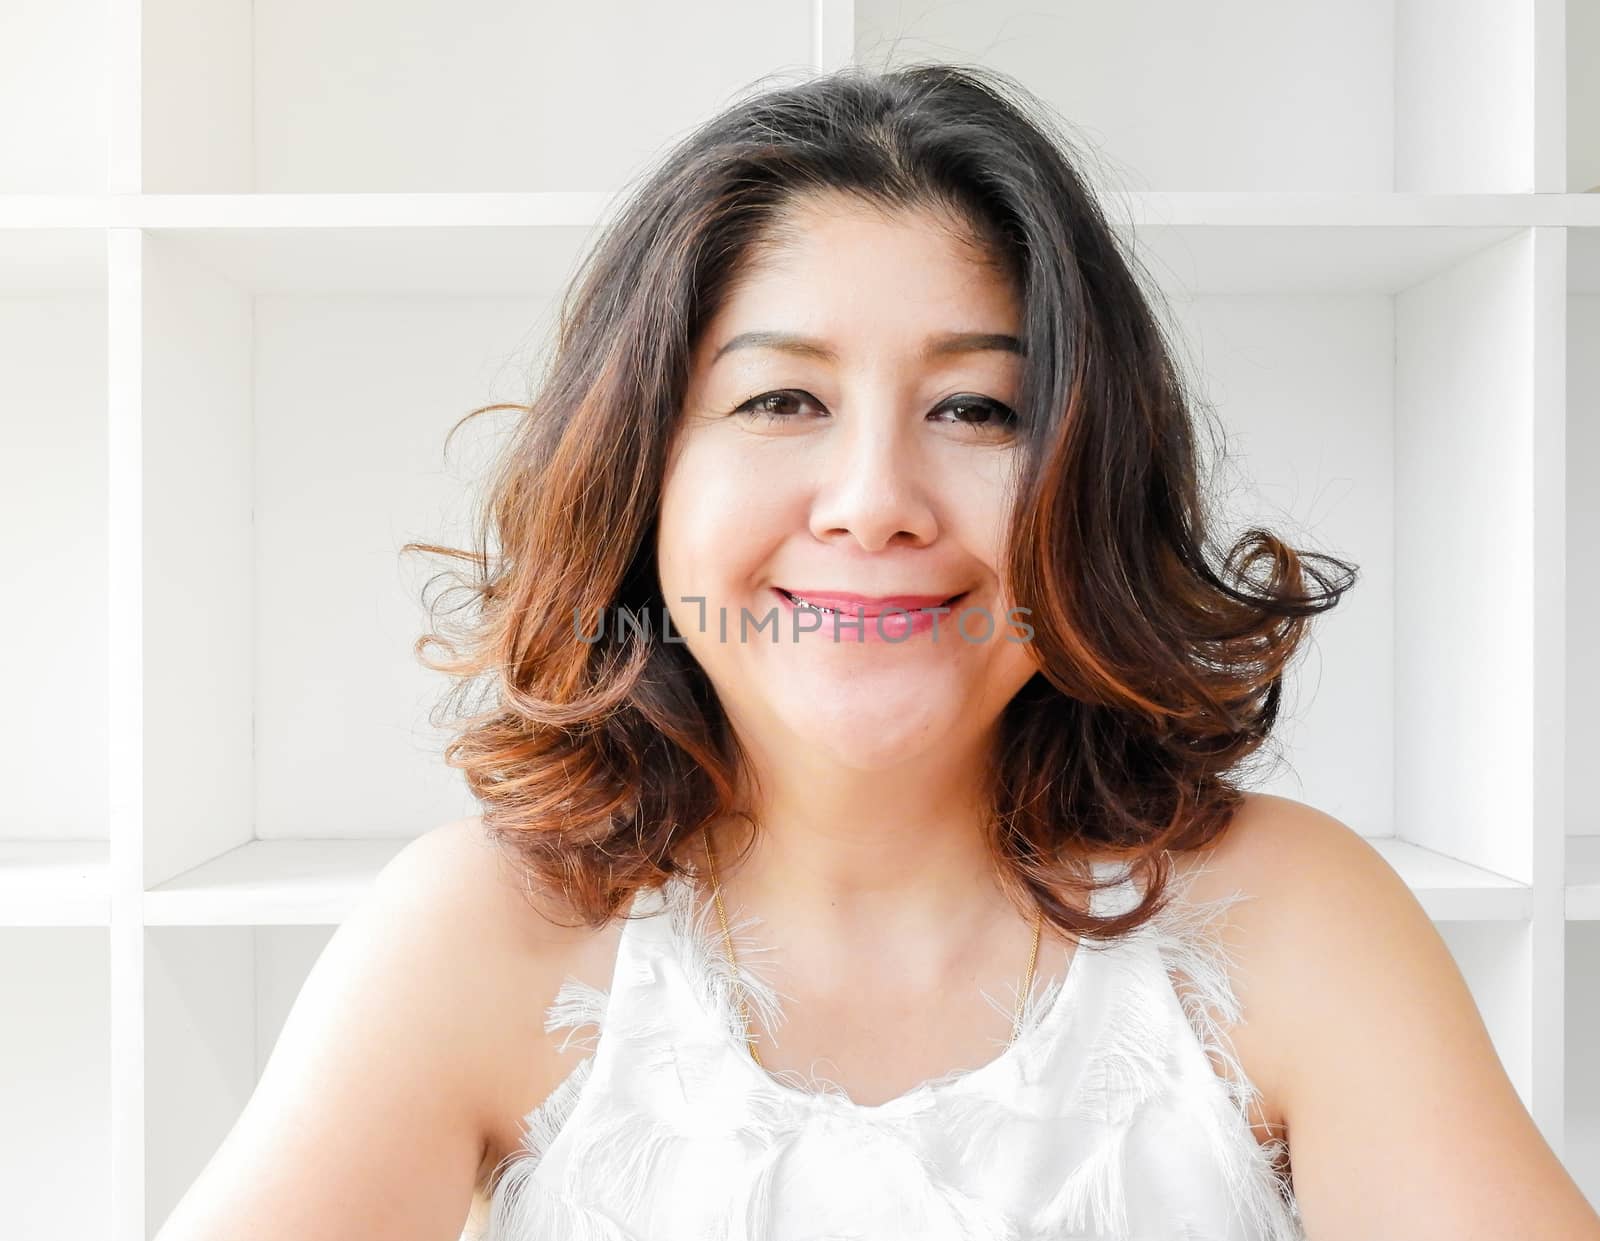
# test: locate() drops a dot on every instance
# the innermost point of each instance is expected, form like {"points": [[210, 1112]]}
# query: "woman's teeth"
{"points": [[808, 604], [835, 612]]}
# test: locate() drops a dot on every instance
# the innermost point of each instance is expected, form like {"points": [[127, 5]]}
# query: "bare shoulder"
{"points": [[1270, 843], [401, 1071], [1361, 1031], [521, 943], [458, 869], [1305, 882], [1317, 909]]}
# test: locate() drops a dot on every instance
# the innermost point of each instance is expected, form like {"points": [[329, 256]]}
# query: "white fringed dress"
{"points": [[1104, 1119]]}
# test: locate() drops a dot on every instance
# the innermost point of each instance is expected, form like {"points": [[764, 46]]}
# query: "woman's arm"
{"points": [[372, 1115], [1402, 1122]]}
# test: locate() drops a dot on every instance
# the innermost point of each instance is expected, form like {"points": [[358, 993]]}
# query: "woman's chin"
{"points": [[866, 740]]}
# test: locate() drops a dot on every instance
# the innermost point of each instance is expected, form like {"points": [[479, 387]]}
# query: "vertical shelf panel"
{"points": [[1548, 680], [1582, 1025], [1583, 526], [125, 710]]}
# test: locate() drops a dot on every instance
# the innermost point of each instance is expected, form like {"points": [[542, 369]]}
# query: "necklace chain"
{"points": [[733, 961]]}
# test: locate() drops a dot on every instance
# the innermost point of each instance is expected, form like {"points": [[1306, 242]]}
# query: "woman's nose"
{"points": [[873, 486]]}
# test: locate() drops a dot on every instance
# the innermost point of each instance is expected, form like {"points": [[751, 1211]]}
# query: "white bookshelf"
{"points": [[256, 258]]}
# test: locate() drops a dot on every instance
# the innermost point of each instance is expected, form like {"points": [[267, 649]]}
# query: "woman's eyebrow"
{"points": [[941, 345]]}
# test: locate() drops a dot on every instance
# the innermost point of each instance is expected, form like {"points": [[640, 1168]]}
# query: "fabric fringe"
{"points": [[525, 1209], [702, 954], [1041, 999], [576, 1004], [541, 1125], [623, 1155], [1094, 1196]]}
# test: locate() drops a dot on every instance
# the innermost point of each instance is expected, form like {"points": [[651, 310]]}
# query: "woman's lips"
{"points": [[851, 625], [867, 605]]}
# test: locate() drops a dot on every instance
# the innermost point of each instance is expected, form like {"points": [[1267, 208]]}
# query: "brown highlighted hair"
{"points": [[1160, 671]]}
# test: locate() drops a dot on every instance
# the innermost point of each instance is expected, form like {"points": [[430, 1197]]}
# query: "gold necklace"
{"points": [[733, 961]]}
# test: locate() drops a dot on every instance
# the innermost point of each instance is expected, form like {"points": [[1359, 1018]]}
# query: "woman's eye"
{"points": [[980, 411], [776, 406]]}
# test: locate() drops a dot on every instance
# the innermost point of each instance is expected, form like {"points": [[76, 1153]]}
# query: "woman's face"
{"points": [[847, 431]]}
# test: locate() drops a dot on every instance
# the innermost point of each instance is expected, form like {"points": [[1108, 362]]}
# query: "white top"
{"points": [[1104, 1118]]}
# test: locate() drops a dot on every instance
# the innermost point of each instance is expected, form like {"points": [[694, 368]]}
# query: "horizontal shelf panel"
{"points": [[317, 882], [505, 243], [55, 883], [297, 882], [1450, 890], [1583, 878], [1138, 208], [586, 207]]}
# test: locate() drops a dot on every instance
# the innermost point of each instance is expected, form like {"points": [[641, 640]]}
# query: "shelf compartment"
{"points": [[1251, 97], [215, 1002], [53, 539], [1582, 1154], [295, 96], [55, 1146], [1583, 95], [1583, 881], [53, 97]]}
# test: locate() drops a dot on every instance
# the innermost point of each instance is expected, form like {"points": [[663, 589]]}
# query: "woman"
{"points": [[851, 628]]}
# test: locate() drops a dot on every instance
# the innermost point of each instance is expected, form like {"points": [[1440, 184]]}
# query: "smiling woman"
{"points": [[874, 473], [932, 778]]}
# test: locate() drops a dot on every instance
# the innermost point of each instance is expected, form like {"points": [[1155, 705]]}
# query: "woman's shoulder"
{"points": [[1301, 875], [1371, 1044], [1303, 879], [1313, 910], [515, 945]]}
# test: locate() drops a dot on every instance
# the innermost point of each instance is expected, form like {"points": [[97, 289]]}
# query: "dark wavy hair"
{"points": [[1158, 673]]}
